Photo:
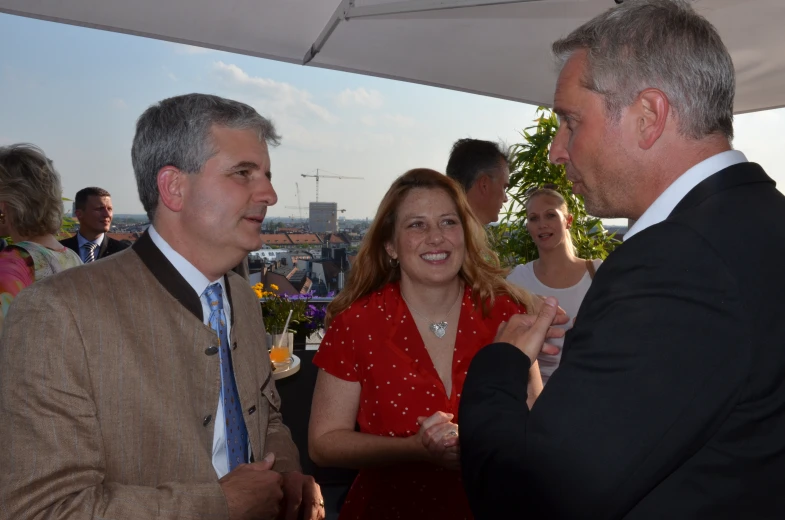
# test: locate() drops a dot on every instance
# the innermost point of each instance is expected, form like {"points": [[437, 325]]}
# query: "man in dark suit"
{"points": [[93, 209], [670, 398], [483, 169]]}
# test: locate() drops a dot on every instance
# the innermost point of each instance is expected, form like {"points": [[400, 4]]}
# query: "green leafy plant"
{"points": [[531, 168]]}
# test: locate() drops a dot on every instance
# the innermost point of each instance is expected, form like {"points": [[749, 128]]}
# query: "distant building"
{"points": [[323, 217]]}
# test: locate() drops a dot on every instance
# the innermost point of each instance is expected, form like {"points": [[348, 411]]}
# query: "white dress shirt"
{"points": [[670, 198], [199, 283], [83, 250]]}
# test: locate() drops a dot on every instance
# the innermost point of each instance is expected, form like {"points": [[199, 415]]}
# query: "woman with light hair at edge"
{"points": [[31, 212]]}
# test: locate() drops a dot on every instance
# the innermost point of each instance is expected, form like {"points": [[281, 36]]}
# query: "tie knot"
{"points": [[90, 246], [214, 294]]}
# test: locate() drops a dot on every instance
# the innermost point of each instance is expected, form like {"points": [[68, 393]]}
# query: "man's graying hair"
{"points": [[661, 44], [176, 132]]}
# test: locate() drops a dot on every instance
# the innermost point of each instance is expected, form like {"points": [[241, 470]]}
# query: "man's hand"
{"points": [[253, 491], [303, 497], [528, 333]]}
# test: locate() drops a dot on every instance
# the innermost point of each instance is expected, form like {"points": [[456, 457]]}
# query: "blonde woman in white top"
{"points": [[558, 271]]}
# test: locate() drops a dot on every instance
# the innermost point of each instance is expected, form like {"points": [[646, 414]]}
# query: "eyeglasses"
{"points": [[535, 189]]}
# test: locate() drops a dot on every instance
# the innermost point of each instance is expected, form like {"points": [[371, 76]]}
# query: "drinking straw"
{"points": [[285, 327]]}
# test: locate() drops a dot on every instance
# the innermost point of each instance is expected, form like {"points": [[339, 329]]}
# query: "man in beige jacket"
{"points": [[140, 386]]}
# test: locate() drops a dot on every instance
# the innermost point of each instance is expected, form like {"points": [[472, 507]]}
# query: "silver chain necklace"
{"points": [[439, 328]]}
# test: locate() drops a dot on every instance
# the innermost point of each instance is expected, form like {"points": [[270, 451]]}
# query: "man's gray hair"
{"points": [[662, 44], [177, 132]]}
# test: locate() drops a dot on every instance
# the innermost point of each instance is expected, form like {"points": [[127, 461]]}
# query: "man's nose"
{"points": [[265, 193], [558, 153]]}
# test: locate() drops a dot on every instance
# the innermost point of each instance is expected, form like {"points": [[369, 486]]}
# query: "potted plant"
{"points": [[275, 311]]}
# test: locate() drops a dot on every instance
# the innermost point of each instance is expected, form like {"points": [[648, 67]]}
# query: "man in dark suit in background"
{"points": [[670, 398], [483, 169], [93, 209]]}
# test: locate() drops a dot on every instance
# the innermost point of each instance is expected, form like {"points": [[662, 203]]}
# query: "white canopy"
{"points": [[498, 48]]}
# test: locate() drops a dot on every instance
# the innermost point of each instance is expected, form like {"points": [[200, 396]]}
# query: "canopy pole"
{"points": [[346, 10], [338, 15], [420, 6]]}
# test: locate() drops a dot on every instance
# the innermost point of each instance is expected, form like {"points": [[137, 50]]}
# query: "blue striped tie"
{"points": [[90, 246], [236, 431]]}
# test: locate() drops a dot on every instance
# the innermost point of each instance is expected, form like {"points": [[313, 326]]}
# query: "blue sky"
{"points": [[77, 92]]}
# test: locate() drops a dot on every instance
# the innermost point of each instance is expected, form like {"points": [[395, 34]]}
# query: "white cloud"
{"points": [[180, 48], [368, 120], [169, 74], [276, 96], [400, 121], [361, 97], [118, 104]]}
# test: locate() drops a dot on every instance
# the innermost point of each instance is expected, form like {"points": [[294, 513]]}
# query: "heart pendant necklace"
{"points": [[439, 328]]}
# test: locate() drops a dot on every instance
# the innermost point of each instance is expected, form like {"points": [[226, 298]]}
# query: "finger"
{"points": [[536, 335], [267, 462], [561, 319], [550, 349], [436, 434], [437, 418], [296, 498], [500, 331], [554, 332]]}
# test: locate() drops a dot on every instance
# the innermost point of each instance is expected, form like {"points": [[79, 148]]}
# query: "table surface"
{"points": [[287, 370]]}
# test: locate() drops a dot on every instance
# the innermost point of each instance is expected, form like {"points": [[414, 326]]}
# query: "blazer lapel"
{"points": [[104, 247], [167, 275], [730, 177]]}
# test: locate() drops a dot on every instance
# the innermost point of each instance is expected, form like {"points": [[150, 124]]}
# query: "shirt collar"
{"points": [[82, 240], [670, 198], [191, 274]]}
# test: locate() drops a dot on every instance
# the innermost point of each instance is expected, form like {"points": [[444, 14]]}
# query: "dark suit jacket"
{"points": [[108, 247], [670, 398]]}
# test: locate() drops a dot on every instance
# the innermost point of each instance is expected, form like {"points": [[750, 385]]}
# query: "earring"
{"points": [[394, 262], [2, 217]]}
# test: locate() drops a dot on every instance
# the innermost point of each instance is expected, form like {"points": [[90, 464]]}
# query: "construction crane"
{"points": [[299, 205], [319, 175]]}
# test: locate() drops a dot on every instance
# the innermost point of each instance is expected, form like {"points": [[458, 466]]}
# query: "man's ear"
{"points": [[78, 214], [483, 184], [171, 186], [652, 115]]}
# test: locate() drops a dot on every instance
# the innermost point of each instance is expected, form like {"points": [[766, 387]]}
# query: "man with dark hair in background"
{"points": [[483, 170], [93, 209]]}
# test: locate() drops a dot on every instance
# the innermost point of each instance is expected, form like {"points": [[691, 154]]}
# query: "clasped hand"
{"points": [[255, 492], [439, 437], [528, 332]]}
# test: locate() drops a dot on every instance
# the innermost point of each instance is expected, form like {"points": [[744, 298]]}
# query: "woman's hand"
{"points": [[439, 437]]}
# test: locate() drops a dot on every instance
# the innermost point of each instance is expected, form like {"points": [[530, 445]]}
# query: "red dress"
{"points": [[375, 342]]}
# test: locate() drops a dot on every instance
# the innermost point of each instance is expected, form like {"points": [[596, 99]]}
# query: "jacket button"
{"points": [[211, 351], [251, 410], [207, 420]]}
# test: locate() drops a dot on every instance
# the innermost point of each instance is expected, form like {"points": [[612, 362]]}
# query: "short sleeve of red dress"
{"points": [[336, 354]]}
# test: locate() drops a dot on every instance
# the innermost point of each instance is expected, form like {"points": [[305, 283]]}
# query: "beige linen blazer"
{"points": [[109, 381]]}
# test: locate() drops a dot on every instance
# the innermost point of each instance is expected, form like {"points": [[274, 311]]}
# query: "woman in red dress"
{"points": [[424, 295]]}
